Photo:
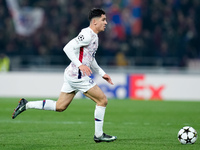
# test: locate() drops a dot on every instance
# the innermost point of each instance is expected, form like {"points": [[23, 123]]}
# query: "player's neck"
{"points": [[94, 29]]}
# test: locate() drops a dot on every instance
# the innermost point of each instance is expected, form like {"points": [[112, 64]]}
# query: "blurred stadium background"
{"points": [[140, 33], [142, 36]]}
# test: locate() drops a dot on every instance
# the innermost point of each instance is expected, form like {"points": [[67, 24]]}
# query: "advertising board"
{"points": [[132, 86]]}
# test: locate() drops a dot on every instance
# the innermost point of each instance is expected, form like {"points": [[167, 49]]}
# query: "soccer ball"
{"points": [[187, 135]]}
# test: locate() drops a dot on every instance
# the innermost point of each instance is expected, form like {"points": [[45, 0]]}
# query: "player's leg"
{"points": [[97, 95], [39, 104], [60, 105], [64, 100]]}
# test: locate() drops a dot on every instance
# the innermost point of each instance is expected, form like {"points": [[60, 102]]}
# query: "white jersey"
{"points": [[82, 50]]}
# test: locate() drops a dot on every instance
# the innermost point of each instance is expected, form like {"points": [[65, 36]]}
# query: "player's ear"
{"points": [[94, 21]]}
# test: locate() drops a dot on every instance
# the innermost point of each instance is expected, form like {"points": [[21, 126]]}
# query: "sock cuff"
{"points": [[49, 104], [100, 107], [99, 113]]}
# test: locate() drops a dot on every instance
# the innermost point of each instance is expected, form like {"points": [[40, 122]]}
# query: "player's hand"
{"points": [[108, 79], [85, 69]]}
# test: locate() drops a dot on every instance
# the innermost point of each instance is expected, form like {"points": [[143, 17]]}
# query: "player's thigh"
{"points": [[97, 95], [64, 100]]}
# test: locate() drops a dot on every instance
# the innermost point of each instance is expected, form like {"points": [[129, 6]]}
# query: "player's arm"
{"points": [[100, 71], [70, 49]]}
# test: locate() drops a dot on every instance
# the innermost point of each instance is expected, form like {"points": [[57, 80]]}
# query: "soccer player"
{"points": [[81, 51]]}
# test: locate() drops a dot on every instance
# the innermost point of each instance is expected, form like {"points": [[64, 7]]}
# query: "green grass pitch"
{"points": [[139, 125]]}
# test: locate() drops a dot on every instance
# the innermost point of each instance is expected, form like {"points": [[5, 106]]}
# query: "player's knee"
{"points": [[103, 101], [60, 108]]}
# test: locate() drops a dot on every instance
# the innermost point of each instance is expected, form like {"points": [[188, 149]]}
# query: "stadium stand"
{"points": [[168, 37]]}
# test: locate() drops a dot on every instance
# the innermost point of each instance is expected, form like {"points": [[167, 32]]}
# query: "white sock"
{"points": [[45, 105], [99, 119]]}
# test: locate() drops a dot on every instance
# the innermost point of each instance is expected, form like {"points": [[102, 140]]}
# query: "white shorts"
{"points": [[70, 84]]}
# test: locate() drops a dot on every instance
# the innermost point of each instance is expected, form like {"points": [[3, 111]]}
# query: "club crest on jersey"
{"points": [[80, 37]]}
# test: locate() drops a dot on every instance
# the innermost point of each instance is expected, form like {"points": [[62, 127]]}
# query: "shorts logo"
{"points": [[81, 37], [91, 81], [93, 55]]}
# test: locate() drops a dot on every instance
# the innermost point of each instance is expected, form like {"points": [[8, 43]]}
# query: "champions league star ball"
{"points": [[187, 135]]}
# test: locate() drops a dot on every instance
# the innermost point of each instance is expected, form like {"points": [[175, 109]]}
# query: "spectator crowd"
{"points": [[169, 29]]}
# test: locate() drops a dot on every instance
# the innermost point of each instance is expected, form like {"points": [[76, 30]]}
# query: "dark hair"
{"points": [[95, 12]]}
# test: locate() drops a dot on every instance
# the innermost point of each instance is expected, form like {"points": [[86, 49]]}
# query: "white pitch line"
{"points": [[85, 122], [44, 122]]}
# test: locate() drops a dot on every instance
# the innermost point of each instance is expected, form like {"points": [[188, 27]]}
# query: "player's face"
{"points": [[101, 23]]}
